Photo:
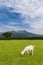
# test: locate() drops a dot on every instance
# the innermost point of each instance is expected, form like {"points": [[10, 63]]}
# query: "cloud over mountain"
{"points": [[22, 14]]}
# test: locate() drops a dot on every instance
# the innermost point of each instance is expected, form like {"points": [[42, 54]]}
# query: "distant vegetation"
{"points": [[21, 34], [7, 35]]}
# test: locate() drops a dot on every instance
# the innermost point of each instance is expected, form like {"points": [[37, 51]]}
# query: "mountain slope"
{"points": [[22, 33]]}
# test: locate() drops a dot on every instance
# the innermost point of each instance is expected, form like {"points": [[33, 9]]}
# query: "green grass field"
{"points": [[10, 52]]}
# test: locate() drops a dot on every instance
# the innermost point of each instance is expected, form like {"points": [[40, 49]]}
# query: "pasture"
{"points": [[10, 52]]}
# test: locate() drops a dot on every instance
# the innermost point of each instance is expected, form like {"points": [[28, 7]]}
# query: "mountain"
{"points": [[22, 33]]}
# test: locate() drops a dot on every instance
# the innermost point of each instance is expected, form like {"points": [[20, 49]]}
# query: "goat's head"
{"points": [[22, 53]]}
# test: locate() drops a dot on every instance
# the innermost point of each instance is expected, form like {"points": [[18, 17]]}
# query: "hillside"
{"points": [[21, 34]]}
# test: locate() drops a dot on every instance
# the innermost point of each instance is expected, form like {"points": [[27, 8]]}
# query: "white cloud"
{"points": [[38, 12], [12, 23], [25, 7], [37, 27], [9, 27], [32, 8]]}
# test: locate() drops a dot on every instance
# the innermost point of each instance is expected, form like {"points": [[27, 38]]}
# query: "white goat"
{"points": [[27, 50]]}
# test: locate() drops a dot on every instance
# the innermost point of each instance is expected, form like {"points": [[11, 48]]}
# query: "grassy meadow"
{"points": [[10, 52]]}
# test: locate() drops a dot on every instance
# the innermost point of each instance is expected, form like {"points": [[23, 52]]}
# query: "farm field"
{"points": [[10, 52]]}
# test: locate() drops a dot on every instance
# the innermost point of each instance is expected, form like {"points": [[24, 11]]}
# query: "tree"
{"points": [[7, 34]]}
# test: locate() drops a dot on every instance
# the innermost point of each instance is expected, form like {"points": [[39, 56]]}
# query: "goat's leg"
{"points": [[25, 53], [32, 52], [28, 53]]}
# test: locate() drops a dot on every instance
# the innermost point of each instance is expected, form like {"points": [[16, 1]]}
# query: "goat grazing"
{"points": [[27, 50]]}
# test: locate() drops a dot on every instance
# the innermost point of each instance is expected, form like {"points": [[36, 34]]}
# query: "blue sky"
{"points": [[21, 15]]}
